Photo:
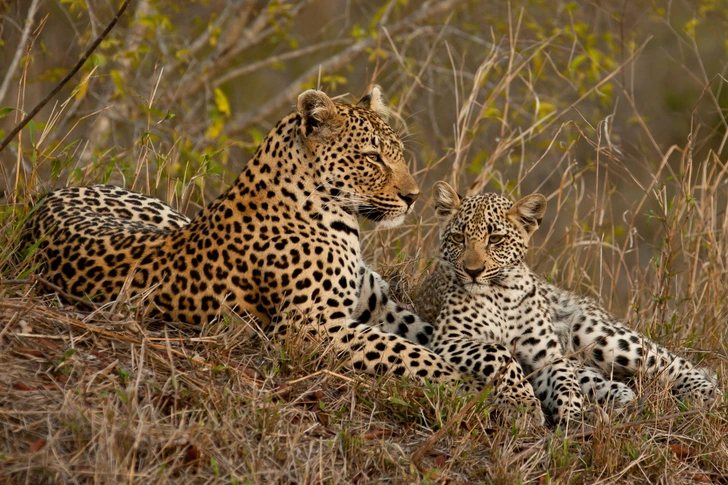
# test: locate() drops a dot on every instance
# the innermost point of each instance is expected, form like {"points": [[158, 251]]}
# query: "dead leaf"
{"points": [[699, 477], [61, 377], [485, 440], [251, 373], [376, 434], [22, 387], [440, 461], [323, 418], [283, 391], [26, 352], [193, 454], [49, 344], [681, 451], [37, 445]]}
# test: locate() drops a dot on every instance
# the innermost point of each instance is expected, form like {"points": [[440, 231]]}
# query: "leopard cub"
{"points": [[496, 319]]}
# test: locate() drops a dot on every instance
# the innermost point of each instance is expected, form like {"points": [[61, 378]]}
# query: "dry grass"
{"points": [[98, 398], [104, 397]]}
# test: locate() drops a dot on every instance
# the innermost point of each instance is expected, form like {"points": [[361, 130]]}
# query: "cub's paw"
{"points": [[569, 414], [532, 413], [699, 386], [526, 411], [620, 395]]}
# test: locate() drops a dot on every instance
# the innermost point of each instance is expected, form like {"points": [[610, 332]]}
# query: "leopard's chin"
{"points": [[383, 218], [476, 288], [390, 223]]}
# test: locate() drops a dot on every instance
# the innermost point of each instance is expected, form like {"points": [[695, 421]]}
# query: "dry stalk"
{"points": [[65, 79]]}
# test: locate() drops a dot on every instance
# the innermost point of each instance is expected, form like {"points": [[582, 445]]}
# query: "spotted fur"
{"points": [[489, 306], [281, 244]]}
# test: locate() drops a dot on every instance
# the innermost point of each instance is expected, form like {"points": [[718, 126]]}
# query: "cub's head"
{"points": [[483, 234], [357, 159]]}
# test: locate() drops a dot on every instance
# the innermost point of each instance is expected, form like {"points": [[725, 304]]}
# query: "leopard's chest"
{"points": [[502, 312]]}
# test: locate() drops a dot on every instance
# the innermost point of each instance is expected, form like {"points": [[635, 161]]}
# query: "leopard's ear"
{"points": [[528, 212], [447, 200], [320, 120], [375, 102]]}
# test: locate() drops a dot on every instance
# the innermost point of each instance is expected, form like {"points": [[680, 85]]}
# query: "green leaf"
{"points": [[399, 401], [577, 62], [122, 396], [31, 131], [6, 111], [99, 60], [221, 101], [125, 376]]}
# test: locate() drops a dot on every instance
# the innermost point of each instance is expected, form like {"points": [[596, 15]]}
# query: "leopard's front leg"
{"points": [[555, 384], [527, 328], [596, 387], [539, 351], [371, 350], [489, 362]]}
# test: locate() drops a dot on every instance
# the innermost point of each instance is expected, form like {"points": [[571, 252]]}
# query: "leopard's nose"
{"points": [[409, 198], [474, 273]]}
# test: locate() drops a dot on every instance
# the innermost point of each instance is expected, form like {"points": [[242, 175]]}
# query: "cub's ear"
{"points": [[447, 201], [375, 102], [528, 212], [320, 120]]}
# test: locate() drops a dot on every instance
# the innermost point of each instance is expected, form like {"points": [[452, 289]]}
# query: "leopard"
{"points": [[280, 245], [491, 309]]}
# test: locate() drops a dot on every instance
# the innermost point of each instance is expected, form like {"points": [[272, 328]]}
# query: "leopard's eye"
{"points": [[495, 239], [457, 237], [374, 157]]}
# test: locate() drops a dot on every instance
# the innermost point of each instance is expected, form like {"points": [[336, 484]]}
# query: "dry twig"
{"points": [[65, 79]]}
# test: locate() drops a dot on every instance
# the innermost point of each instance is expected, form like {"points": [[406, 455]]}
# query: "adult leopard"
{"points": [[281, 244], [487, 306]]}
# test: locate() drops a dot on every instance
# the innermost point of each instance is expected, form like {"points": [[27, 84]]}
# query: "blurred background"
{"points": [[613, 109]]}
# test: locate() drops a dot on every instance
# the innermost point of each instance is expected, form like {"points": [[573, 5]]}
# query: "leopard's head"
{"points": [[482, 235], [358, 160]]}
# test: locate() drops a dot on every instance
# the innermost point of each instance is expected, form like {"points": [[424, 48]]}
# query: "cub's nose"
{"points": [[474, 273], [409, 198]]}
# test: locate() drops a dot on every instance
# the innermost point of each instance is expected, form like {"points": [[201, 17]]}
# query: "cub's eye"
{"points": [[374, 157], [495, 239], [457, 237]]}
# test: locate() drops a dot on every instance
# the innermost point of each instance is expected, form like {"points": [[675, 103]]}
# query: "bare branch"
{"points": [[258, 30], [20, 49], [252, 36], [241, 18], [241, 71], [427, 11], [134, 38], [65, 80], [235, 27]]}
